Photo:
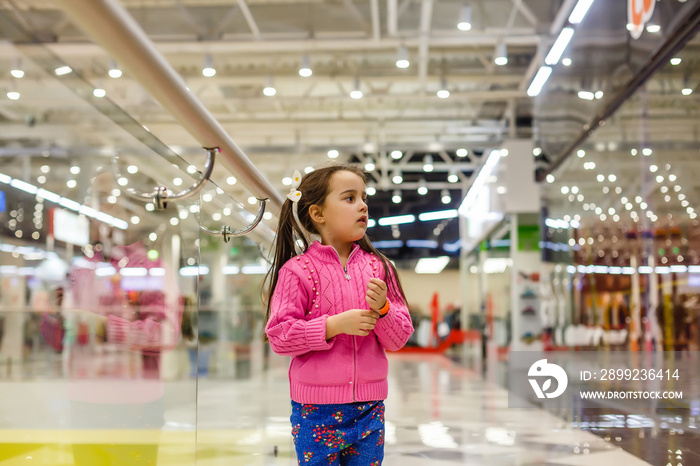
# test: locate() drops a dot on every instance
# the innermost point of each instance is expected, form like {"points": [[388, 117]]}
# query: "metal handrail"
{"points": [[226, 231], [116, 31], [162, 195]]}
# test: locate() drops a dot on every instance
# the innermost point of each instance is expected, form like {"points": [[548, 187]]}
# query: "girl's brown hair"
{"points": [[314, 188]]}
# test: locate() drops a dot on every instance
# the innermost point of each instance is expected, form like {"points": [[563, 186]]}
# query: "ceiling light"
{"points": [[74, 169], [444, 93], [399, 219], [371, 190], [396, 199], [16, 70], [428, 164], [333, 154], [308, 169], [675, 61], [439, 215], [286, 181], [305, 68], [566, 61], [581, 153], [208, 70], [432, 264], [579, 11], [501, 56], [672, 177], [114, 71], [423, 187], [537, 151], [396, 154], [653, 28], [686, 91], [61, 70], [479, 182], [559, 46], [13, 95], [539, 81], [612, 178], [647, 151], [465, 19], [453, 177], [599, 95], [462, 152], [653, 168], [132, 169], [99, 92], [550, 178], [269, 90], [586, 95], [397, 178], [356, 93], [369, 165], [71, 183], [402, 58]]}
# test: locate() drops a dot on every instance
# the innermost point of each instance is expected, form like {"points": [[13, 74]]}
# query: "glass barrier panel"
{"points": [[98, 308]]}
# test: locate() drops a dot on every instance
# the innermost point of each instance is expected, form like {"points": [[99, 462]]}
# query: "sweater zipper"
{"points": [[345, 267], [354, 349]]}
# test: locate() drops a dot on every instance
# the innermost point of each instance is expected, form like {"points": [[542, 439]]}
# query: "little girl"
{"points": [[335, 308]]}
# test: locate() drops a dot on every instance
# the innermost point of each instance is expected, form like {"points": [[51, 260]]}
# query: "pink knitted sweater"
{"points": [[345, 368]]}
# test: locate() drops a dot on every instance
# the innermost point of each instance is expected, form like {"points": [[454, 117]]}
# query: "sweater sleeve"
{"points": [[394, 329], [288, 330]]}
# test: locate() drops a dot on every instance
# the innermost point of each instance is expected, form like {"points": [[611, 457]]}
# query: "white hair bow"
{"points": [[294, 194]]}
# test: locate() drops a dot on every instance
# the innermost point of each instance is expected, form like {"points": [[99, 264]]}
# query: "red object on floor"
{"points": [[455, 337]]}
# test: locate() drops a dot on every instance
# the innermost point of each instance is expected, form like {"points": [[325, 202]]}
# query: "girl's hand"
{"points": [[352, 322], [376, 294]]}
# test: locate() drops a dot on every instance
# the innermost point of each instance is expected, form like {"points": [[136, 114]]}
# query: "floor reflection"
{"points": [[438, 413]]}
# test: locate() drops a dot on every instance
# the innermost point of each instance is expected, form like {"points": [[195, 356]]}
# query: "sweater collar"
{"points": [[328, 253]]}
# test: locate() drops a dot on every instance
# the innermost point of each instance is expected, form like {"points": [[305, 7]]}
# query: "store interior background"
{"points": [[573, 240]]}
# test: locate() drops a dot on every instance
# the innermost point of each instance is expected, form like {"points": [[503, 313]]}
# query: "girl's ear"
{"points": [[316, 214]]}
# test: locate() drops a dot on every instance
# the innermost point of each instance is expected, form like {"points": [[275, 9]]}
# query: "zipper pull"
{"points": [[347, 277]]}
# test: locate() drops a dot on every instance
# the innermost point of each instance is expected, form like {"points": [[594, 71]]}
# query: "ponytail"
{"points": [[283, 251]]}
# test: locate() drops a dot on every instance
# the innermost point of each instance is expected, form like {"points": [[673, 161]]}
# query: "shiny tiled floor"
{"points": [[438, 413]]}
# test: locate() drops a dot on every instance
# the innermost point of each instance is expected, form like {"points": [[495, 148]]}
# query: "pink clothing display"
{"points": [[345, 368], [133, 306]]}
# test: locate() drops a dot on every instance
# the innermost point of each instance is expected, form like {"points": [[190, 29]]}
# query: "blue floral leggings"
{"points": [[343, 434]]}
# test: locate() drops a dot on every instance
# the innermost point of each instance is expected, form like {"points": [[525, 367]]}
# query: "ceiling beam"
{"points": [[281, 46], [250, 19], [426, 17], [376, 28], [392, 20]]}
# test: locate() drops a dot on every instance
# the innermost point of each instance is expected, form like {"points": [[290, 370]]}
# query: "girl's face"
{"points": [[344, 212]]}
